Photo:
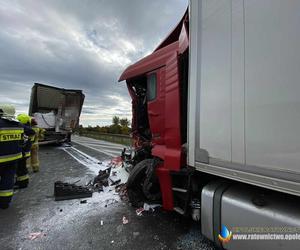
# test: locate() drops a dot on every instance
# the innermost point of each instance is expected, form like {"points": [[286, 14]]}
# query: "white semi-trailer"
{"points": [[56, 110], [233, 66], [244, 115]]}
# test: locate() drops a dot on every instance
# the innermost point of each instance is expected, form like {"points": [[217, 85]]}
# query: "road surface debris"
{"points": [[146, 207], [33, 236], [67, 191], [139, 211], [125, 220]]}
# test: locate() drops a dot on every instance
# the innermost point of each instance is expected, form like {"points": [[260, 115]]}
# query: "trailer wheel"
{"points": [[139, 179]]}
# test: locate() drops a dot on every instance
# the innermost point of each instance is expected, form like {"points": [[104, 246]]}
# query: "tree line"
{"points": [[118, 126]]}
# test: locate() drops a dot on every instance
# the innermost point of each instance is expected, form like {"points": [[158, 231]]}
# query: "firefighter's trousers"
{"points": [[7, 181], [22, 173], [33, 162]]}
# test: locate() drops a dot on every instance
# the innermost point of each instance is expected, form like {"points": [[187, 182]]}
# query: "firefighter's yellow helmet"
{"points": [[24, 119]]}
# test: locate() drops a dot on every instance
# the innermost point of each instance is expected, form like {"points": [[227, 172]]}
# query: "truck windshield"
{"points": [[151, 87]]}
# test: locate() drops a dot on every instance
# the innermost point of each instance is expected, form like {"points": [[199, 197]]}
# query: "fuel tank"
{"points": [[253, 218]]}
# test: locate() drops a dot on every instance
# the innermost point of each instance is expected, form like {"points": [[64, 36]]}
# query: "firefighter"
{"points": [[22, 171], [11, 138], [33, 161]]}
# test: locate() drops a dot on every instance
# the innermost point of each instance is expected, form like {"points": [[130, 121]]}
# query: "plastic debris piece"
{"points": [[119, 174], [67, 191], [139, 211], [117, 160], [101, 222], [148, 207], [125, 220], [121, 189], [76, 182], [33, 236], [114, 180], [111, 178], [135, 234], [110, 202], [83, 201]]}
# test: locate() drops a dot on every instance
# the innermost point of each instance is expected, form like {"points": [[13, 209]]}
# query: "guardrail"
{"points": [[116, 138]]}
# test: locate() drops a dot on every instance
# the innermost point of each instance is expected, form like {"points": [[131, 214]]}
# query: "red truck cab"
{"points": [[158, 87], [240, 75]]}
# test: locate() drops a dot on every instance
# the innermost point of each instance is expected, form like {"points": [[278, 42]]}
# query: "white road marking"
{"points": [[99, 150], [103, 146], [90, 162], [108, 148]]}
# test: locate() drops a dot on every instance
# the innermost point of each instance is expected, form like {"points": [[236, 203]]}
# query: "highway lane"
{"points": [[107, 148], [95, 224]]}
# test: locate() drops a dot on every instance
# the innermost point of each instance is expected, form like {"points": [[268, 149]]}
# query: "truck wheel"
{"points": [[135, 184]]}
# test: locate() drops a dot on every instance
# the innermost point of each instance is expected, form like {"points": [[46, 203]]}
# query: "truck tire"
{"points": [[135, 183]]}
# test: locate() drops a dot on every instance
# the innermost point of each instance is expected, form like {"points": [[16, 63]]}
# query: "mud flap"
{"points": [[165, 182]]}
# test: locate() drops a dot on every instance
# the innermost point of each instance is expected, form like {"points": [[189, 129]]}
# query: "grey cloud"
{"points": [[79, 44]]}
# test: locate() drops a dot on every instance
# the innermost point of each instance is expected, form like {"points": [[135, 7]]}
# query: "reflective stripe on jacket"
{"points": [[27, 154], [13, 157], [23, 177], [11, 140], [6, 193]]}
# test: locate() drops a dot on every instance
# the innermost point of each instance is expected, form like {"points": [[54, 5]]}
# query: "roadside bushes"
{"points": [[118, 126]]}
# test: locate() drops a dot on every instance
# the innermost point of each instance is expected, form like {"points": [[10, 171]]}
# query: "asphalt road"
{"points": [[104, 147], [96, 224]]}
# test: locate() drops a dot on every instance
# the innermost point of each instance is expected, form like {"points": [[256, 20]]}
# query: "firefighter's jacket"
{"points": [[11, 140], [28, 134], [39, 135]]}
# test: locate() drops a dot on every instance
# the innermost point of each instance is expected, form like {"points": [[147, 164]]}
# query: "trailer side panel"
{"points": [[244, 70]]}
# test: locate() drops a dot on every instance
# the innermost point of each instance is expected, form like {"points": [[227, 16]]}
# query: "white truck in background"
{"points": [[56, 110]]}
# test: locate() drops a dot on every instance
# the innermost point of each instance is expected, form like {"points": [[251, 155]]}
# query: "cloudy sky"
{"points": [[79, 44]]}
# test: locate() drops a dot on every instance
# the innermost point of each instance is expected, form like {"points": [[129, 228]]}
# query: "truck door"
{"points": [[156, 104]]}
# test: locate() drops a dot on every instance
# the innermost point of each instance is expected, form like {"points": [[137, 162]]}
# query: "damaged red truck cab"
{"points": [[215, 116], [157, 85]]}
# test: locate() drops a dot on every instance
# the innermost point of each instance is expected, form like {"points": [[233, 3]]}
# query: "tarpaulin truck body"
{"points": [[57, 110], [216, 114]]}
